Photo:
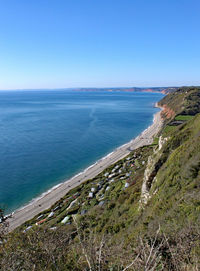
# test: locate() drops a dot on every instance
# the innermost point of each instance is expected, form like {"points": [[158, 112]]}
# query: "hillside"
{"points": [[142, 213]]}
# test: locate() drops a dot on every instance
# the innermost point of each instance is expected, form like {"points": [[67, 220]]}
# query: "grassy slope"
{"points": [[126, 228], [176, 201]]}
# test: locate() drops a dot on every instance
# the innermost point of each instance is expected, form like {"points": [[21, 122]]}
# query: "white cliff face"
{"points": [[145, 191], [161, 142], [150, 173]]}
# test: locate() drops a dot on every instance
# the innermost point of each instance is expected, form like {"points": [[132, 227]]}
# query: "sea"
{"points": [[48, 136]]}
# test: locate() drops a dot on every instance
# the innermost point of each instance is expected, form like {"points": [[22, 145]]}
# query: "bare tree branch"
{"points": [[82, 245]]}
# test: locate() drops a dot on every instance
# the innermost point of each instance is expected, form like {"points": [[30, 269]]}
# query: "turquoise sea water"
{"points": [[49, 136]]}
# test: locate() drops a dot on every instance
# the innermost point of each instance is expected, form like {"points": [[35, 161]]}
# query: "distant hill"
{"points": [[164, 90]]}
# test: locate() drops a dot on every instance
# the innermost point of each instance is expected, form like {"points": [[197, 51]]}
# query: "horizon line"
{"points": [[120, 87]]}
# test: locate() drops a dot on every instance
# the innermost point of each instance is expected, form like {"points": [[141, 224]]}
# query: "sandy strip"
{"points": [[50, 197]]}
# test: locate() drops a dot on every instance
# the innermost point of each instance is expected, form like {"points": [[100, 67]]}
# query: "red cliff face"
{"points": [[167, 112]]}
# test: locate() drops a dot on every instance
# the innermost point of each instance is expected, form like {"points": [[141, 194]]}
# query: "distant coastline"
{"points": [[163, 90], [47, 199]]}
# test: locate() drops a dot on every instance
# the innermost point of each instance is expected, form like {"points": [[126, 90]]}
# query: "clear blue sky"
{"points": [[99, 43]]}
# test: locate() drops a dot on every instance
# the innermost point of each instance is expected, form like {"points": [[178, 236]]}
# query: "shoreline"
{"points": [[48, 198]]}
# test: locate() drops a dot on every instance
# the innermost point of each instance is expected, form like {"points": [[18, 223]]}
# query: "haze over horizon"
{"points": [[79, 44], [95, 88]]}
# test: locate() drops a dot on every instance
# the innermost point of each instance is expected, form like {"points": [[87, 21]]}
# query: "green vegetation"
{"points": [[183, 117], [168, 130], [113, 228], [155, 141]]}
